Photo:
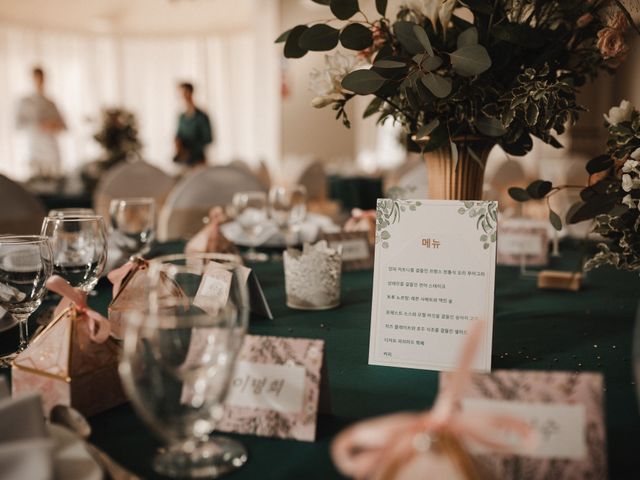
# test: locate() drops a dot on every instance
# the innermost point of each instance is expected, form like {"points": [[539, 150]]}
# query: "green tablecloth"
{"points": [[586, 331]]}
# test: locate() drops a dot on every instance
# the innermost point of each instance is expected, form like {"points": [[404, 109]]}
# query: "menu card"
{"points": [[433, 275]]}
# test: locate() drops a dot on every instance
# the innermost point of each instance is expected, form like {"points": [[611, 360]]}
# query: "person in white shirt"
{"points": [[42, 122]]}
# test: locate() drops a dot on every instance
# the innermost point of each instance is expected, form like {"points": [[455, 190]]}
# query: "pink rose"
{"points": [[612, 45]]}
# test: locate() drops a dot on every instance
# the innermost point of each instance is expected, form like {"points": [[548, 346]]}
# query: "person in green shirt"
{"points": [[194, 131]]}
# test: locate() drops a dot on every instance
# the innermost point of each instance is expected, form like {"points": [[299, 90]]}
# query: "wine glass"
{"points": [[251, 215], [70, 212], [79, 245], [288, 209], [25, 265], [178, 358], [133, 222]]}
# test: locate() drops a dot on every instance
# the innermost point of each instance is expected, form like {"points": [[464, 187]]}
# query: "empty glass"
{"points": [[70, 212], [25, 266], [288, 209], [79, 245], [252, 216], [178, 358], [133, 223]]}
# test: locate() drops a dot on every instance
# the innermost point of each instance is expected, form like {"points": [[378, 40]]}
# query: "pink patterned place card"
{"points": [[275, 389], [522, 241], [566, 409]]}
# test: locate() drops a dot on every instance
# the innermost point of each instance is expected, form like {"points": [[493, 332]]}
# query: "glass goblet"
{"points": [[178, 359], [133, 223], [25, 265], [79, 245], [252, 216], [70, 212]]}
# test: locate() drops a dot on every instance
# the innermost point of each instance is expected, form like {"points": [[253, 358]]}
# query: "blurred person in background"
{"points": [[194, 131], [40, 118]]}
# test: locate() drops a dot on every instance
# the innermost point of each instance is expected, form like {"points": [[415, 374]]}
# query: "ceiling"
{"points": [[131, 16]]}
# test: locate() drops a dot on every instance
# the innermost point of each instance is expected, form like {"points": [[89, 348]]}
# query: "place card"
{"points": [[565, 409], [357, 252], [433, 275], [275, 390], [523, 242]]}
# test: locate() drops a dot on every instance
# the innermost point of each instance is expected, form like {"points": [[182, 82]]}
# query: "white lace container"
{"points": [[312, 276]]}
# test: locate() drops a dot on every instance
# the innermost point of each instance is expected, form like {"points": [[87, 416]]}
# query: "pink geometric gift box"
{"points": [[67, 368]]}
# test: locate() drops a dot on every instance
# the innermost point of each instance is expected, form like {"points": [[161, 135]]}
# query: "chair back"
{"points": [[194, 195], [21, 212], [131, 179]]}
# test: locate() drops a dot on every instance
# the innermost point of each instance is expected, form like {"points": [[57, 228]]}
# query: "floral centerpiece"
{"points": [[612, 197], [461, 76]]}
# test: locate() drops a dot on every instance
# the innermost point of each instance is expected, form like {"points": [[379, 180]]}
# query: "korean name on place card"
{"points": [[565, 409], [433, 276], [275, 388]]}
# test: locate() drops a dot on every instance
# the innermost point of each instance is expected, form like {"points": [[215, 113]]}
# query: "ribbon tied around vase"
{"points": [[97, 326], [379, 448]]}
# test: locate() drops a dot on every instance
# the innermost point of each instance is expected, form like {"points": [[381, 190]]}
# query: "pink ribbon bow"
{"points": [[98, 326], [117, 275], [373, 447]]}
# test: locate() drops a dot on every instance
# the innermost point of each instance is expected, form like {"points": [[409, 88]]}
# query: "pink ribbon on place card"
{"points": [[372, 447], [97, 325]]}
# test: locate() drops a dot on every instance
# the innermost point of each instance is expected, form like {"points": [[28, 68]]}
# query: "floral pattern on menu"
{"points": [[388, 212], [486, 217]]}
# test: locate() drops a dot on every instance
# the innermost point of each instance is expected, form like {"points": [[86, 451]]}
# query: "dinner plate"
{"points": [[71, 460]]}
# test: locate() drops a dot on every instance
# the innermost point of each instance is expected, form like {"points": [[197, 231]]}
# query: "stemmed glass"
{"points": [[79, 245], [25, 266], [133, 223], [288, 209], [178, 358], [252, 216], [70, 212]]}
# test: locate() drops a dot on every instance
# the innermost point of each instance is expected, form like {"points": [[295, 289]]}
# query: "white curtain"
{"points": [[86, 73]]}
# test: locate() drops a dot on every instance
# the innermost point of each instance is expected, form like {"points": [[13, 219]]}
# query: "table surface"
{"points": [[590, 330]]}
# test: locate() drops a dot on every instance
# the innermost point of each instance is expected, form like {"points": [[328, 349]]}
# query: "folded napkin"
{"points": [[25, 449]]}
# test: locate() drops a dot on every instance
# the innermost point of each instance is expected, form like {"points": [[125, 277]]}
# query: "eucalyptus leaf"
{"points": [[292, 48], [381, 6], [373, 107], [439, 86], [356, 36], [555, 220], [344, 9], [423, 38], [424, 131], [489, 126], [599, 164], [388, 64], [470, 60], [468, 37], [532, 114], [407, 38], [319, 38], [539, 189], [283, 36], [519, 194], [363, 82], [431, 63]]}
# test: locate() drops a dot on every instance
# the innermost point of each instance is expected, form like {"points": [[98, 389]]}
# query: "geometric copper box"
{"points": [[131, 295], [68, 368]]}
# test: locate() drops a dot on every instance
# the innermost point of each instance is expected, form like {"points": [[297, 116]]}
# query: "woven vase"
{"points": [[448, 181]]}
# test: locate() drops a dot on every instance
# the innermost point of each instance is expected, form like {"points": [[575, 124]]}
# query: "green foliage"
{"points": [[356, 36], [319, 38]]}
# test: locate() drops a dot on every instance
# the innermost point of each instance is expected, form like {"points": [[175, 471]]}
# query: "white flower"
{"points": [[630, 166], [628, 183], [327, 83], [620, 114], [436, 10], [636, 154], [446, 10], [628, 201]]}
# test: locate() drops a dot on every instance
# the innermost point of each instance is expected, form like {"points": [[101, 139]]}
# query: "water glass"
{"points": [[252, 216], [70, 212], [25, 266], [79, 245], [288, 208], [178, 359], [133, 223]]}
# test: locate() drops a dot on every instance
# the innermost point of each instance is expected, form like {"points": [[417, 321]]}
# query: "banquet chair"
{"points": [[304, 170], [194, 195], [408, 181], [131, 179], [21, 213]]}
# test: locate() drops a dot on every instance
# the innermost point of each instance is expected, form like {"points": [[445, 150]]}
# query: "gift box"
{"points": [[128, 294], [67, 366]]}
